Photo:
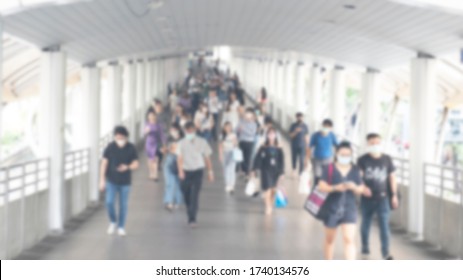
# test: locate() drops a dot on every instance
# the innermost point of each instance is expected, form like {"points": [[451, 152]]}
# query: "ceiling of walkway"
{"points": [[373, 33]]}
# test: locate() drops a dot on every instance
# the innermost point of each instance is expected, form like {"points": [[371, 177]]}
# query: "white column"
{"points": [[51, 132], [315, 98], [301, 87], [280, 92], [423, 114], [154, 72], [338, 100], [370, 111], [131, 100], [91, 80], [274, 87], [140, 90], [289, 94], [1, 88], [148, 82], [115, 94]]}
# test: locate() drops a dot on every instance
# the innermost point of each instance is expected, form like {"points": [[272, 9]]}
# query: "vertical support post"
{"points": [[422, 135], [132, 92], [315, 97], [301, 87], [1, 90], [338, 100], [140, 90], [148, 82], [51, 132], [91, 78], [370, 109], [115, 94]]}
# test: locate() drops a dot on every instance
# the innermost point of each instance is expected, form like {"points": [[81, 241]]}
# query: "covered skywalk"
{"points": [[74, 69]]}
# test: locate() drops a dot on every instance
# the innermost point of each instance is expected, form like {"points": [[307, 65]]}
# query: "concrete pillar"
{"points": [[154, 72], [338, 100], [148, 83], [132, 100], [91, 80], [115, 94], [301, 90], [370, 110], [315, 98], [423, 115], [280, 91], [51, 132], [140, 90], [1, 89]]}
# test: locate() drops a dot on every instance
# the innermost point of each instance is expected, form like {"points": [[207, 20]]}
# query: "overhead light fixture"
{"points": [[350, 7], [155, 4]]}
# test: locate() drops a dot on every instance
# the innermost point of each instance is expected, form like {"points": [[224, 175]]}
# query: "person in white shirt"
{"points": [[204, 122], [215, 107], [173, 100]]}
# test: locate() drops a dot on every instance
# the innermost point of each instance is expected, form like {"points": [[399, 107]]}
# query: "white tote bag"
{"points": [[237, 155], [250, 187], [304, 182]]}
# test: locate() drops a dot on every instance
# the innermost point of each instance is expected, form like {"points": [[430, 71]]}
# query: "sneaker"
{"points": [[169, 207], [193, 224], [121, 232], [111, 228], [389, 258], [365, 256]]}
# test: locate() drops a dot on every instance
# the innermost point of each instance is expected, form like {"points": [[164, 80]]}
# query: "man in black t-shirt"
{"points": [[380, 193], [119, 160], [299, 133]]}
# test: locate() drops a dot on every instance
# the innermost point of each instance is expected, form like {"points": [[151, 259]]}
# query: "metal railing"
{"points": [[23, 205], [402, 172], [443, 225]]}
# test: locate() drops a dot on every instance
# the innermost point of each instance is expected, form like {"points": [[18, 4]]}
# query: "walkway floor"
{"points": [[230, 227]]}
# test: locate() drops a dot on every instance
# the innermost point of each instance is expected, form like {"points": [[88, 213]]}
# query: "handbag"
{"points": [[250, 187], [317, 198], [237, 155], [304, 182]]}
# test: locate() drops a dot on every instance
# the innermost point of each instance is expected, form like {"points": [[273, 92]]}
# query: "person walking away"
{"points": [[227, 145], [119, 160], [173, 101], [323, 143], [155, 140], [172, 193], [342, 181], [193, 156], [270, 161], [299, 134], [379, 196], [215, 106], [247, 130], [204, 122]]}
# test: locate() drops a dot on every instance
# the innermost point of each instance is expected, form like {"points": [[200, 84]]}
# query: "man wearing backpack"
{"points": [[321, 148], [380, 194]]}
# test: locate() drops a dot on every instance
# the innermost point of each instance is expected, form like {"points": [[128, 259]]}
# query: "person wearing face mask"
{"points": [[299, 134], [247, 131], [119, 160], [227, 145], [321, 148], [380, 194], [215, 107], [193, 155], [270, 161], [204, 122], [342, 181]]}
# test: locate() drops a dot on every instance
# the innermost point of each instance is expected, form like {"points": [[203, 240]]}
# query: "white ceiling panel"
{"points": [[377, 33]]}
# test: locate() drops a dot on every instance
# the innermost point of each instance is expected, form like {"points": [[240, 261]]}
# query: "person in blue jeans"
{"points": [[172, 193], [299, 133], [321, 148], [379, 195], [119, 160]]}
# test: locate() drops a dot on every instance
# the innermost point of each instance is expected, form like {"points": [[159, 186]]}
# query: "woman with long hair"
{"points": [[155, 140], [342, 181], [227, 145], [204, 122], [172, 193], [270, 161]]}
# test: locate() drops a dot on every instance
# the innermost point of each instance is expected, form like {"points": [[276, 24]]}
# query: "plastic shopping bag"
{"points": [[305, 182], [250, 187], [281, 200]]}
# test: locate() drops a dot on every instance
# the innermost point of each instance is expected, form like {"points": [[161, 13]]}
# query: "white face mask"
{"points": [[344, 160], [190, 136], [375, 149], [174, 134], [121, 143]]}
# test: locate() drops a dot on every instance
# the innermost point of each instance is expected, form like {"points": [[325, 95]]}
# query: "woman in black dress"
{"points": [[270, 160]]}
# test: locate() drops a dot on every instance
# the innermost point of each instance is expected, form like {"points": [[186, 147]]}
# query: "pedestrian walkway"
{"points": [[230, 227]]}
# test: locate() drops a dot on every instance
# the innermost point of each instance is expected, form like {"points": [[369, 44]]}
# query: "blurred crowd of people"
{"points": [[208, 112]]}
